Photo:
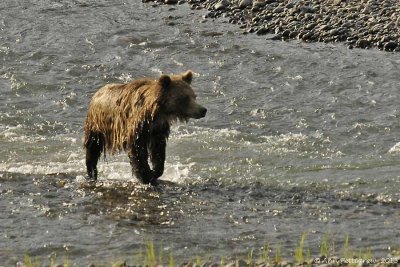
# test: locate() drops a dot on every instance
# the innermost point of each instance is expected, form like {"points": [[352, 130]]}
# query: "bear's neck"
{"points": [[161, 123]]}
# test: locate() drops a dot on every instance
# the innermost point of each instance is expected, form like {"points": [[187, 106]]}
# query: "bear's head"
{"points": [[178, 98]]}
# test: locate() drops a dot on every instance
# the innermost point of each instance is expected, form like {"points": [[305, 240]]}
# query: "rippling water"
{"points": [[299, 138]]}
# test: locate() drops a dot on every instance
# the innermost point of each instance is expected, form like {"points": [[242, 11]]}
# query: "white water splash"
{"points": [[395, 149]]}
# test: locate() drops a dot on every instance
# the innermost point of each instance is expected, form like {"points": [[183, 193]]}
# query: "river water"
{"points": [[298, 138]]}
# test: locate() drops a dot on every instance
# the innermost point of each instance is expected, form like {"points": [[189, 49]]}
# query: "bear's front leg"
{"points": [[139, 161], [157, 155]]}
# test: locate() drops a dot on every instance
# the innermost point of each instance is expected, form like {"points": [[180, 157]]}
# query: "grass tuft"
{"points": [[347, 253], [278, 255], [325, 246], [171, 261], [308, 257], [265, 253], [299, 251], [222, 263], [150, 258], [250, 259], [66, 264], [198, 261], [27, 260]]}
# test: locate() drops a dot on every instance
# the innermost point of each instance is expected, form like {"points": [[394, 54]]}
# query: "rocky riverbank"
{"points": [[361, 24]]}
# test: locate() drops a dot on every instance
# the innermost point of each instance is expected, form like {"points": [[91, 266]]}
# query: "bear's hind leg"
{"points": [[94, 147]]}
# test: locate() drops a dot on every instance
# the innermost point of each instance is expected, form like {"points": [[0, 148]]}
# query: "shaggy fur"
{"points": [[118, 111], [136, 117]]}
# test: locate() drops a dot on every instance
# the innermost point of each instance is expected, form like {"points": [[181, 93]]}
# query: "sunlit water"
{"points": [[299, 138]]}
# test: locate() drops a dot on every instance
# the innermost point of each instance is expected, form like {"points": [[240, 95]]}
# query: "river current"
{"points": [[298, 138]]}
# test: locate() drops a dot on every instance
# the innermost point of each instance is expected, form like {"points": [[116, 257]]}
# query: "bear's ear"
{"points": [[187, 76], [165, 81]]}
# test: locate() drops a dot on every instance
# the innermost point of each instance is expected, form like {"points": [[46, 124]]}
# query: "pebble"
{"points": [[262, 31], [222, 5], [362, 43], [278, 9], [259, 3], [390, 46], [245, 3]]}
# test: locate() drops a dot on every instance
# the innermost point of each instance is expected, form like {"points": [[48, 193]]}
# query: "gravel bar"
{"points": [[358, 23]]}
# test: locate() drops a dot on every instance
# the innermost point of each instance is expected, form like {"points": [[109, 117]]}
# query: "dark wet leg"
{"points": [[94, 148]]}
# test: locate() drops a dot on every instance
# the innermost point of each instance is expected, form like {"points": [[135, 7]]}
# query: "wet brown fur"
{"points": [[117, 111]]}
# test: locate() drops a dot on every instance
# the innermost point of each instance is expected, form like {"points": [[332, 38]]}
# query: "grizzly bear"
{"points": [[136, 117]]}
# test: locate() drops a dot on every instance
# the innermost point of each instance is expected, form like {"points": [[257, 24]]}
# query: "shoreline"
{"points": [[362, 24], [152, 259]]}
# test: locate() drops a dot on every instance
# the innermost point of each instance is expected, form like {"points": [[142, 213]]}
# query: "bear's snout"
{"points": [[201, 113]]}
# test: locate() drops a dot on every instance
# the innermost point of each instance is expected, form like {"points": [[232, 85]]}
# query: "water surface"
{"points": [[299, 138]]}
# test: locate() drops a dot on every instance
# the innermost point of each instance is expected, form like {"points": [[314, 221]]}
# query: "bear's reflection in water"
{"points": [[136, 203]]}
